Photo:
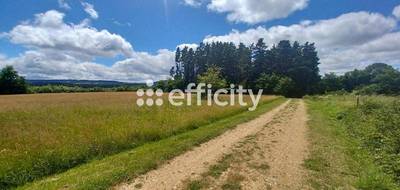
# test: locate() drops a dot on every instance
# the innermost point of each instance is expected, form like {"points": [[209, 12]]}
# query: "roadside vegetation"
{"points": [[354, 146], [50, 133], [112, 170]]}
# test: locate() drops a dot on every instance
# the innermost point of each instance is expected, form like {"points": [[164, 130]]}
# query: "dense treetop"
{"points": [[292, 66]]}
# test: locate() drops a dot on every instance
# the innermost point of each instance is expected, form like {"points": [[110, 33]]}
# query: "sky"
{"points": [[135, 40]]}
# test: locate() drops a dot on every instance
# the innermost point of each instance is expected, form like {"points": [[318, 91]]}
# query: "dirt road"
{"points": [[265, 153]]}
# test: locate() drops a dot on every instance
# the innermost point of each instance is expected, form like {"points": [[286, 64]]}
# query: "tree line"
{"points": [[290, 69], [377, 78]]}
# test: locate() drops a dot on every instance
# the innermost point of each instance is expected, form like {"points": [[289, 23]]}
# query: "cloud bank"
{"points": [[346, 42], [58, 50]]}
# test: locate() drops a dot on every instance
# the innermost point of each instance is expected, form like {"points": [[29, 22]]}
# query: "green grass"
{"points": [[104, 173], [214, 172], [196, 185], [219, 168], [338, 159], [233, 182]]}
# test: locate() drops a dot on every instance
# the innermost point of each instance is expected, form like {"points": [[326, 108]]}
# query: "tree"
{"points": [[260, 63], [285, 86], [385, 77], [275, 84], [355, 79], [176, 72], [331, 82], [299, 63], [243, 66], [11, 82], [267, 83], [213, 76], [377, 78]]}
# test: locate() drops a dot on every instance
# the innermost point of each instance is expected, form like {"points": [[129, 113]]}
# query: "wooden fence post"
{"points": [[358, 101]]}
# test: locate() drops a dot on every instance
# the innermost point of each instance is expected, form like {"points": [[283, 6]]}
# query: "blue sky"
{"points": [[149, 26]]}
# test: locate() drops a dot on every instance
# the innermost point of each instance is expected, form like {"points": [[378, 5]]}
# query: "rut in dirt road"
{"points": [[265, 153], [270, 159]]}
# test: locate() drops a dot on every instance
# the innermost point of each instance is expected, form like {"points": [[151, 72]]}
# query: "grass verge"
{"points": [[104, 173], [338, 161]]}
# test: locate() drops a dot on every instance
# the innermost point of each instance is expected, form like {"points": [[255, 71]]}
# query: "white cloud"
{"points": [[63, 4], [348, 41], [396, 12], [118, 23], [48, 31], [193, 3], [67, 51], [256, 11], [347, 29], [147, 66], [193, 46], [384, 49], [89, 9], [54, 65]]}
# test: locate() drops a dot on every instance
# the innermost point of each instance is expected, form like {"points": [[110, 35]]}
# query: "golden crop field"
{"points": [[48, 133]]}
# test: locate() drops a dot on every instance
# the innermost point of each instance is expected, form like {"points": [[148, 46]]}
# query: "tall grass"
{"points": [[49, 133], [358, 145], [376, 123]]}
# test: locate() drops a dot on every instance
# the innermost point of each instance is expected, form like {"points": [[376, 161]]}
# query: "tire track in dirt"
{"points": [[198, 160], [270, 159]]}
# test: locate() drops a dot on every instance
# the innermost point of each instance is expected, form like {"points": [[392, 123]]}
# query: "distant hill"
{"points": [[82, 83]]}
